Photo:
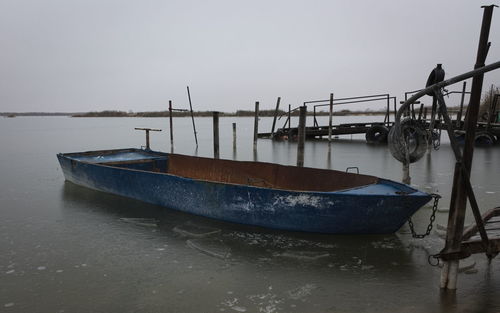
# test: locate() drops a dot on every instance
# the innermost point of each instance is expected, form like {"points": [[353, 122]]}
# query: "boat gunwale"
{"points": [[415, 192]]}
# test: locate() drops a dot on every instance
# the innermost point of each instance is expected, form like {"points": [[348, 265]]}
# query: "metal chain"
{"points": [[431, 222]]}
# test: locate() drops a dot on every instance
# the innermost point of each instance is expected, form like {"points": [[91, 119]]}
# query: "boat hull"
{"points": [[373, 209]]}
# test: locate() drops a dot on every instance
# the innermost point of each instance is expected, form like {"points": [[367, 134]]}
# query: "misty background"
{"points": [[89, 55]]}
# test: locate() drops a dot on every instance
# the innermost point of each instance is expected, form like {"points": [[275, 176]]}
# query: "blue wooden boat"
{"points": [[255, 193]]}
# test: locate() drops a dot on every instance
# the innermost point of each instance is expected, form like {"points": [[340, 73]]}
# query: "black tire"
{"points": [[415, 135], [484, 139], [377, 134]]}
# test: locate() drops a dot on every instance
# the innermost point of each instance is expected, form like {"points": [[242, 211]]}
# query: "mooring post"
{"points": [[301, 135], [171, 125], [234, 141], [256, 125], [147, 130], [406, 173], [458, 203], [234, 136], [216, 134], [275, 116], [330, 119], [192, 117]]}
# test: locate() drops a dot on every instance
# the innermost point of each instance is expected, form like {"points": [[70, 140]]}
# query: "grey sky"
{"points": [[84, 55]]}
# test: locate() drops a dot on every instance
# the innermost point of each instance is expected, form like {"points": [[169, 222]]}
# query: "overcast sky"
{"points": [[88, 55]]}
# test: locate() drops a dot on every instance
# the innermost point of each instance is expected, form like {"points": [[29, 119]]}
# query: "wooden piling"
{"points": [[456, 216], [216, 134], [147, 130], [330, 119], [234, 136], [171, 125], [301, 135], [256, 125], [192, 117], [275, 116]]}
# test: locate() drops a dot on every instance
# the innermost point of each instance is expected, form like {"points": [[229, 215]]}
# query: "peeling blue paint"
{"points": [[371, 209]]}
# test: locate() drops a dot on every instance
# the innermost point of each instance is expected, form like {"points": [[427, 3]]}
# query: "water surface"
{"points": [[70, 249]]}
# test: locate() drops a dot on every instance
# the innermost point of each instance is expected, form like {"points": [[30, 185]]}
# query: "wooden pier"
{"points": [[374, 131]]}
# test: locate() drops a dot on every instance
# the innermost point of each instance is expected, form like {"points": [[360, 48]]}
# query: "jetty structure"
{"points": [[405, 145], [488, 132]]}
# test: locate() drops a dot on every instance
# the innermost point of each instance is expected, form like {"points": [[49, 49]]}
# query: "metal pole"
{"points": [[302, 136], [459, 117], [192, 117], [216, 134], [275, 116], [314, 116], [330, 118], [490, 109], [395, 109], [457, 212], [256, 125], [388, 109], [171, 125], [420, 111]]}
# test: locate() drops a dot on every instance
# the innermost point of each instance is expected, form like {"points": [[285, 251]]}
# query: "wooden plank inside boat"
{"points": [[265, 174]]}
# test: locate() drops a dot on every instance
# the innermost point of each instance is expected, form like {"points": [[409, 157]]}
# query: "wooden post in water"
{"points": [[216, 134], [459, 194], [192, 117], [171, 125], [302, 136], [330, 119], [234, 136], [275, 116], [256, 125], [147, 130], [406, 169]]}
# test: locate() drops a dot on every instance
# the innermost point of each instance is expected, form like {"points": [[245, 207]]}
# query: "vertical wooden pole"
{"points": [[192, 117], [234, 136], [302, 136], [456, 216], [256, 125], [216, 134], [171, 125], [275, 116], [147, 139], [330, 119]]}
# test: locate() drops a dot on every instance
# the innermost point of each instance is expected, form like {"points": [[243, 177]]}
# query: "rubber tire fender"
{"points": [[377, 134], [484, 139], [418, 144]]}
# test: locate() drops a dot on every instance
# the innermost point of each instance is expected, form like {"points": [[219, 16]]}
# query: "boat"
{"points": [[255, 193]]}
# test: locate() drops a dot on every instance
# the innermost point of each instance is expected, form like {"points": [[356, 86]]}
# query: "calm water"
{"points": [[65, 248]]}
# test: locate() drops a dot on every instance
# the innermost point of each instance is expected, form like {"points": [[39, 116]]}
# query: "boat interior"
{"points": [[259, 174]]}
